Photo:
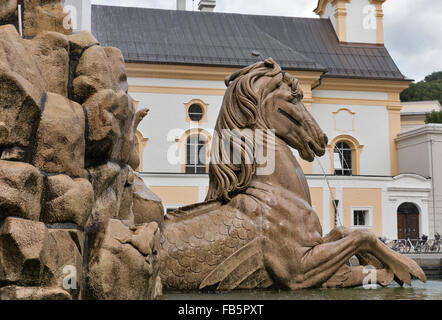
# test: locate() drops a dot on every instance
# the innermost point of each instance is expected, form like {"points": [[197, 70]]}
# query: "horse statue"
{"points": [[257, 231]]}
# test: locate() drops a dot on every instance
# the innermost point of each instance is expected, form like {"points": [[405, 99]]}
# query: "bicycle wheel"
{"points": [[426, 248], [419, 248], [407, 248], [401, 248]]}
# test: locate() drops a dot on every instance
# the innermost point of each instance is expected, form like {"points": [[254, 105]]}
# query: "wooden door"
{"points": [[401, 225], [408, 221]]}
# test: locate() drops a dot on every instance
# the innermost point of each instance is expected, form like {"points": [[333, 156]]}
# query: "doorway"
{"points": [[408, 221]]}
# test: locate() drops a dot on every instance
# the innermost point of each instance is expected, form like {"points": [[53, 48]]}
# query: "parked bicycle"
{"points": [[396, 245], [433, 246], [417, 248]]}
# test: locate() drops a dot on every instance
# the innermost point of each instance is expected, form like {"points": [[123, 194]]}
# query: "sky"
{"points": [[413, 28]]}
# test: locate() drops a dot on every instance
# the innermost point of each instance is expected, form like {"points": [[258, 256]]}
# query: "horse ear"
{"points": [[269, 62]]}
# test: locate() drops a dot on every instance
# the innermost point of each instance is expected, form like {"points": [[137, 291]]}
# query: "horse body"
{"points": [[258, 230], [271, 210]]}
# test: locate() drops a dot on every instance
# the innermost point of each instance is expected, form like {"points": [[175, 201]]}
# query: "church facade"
{"points": [[177, 60]]}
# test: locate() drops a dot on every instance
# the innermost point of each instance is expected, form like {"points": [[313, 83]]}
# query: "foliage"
{"points": [[428, 89], [434, 117]]}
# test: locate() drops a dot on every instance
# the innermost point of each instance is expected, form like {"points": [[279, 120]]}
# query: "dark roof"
{"points": [[224, 39]]}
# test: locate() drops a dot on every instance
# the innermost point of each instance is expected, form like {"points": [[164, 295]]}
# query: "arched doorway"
{"points": [[408, 221]]}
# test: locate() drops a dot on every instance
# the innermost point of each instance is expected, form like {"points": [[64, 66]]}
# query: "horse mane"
{"points": [[240, 110]]}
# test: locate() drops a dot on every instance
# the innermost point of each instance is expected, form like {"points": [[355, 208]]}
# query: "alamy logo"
{"points": [[369, 21], [70, 280], [370, 281], [238, 146], [70, 21]]}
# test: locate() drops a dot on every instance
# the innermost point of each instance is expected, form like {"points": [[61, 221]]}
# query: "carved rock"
{"points": [[68, 200], [82, 40], [21, 88], [62, 258], [110, 119], [108, 181], [51, 51], [103, 126], [125, 113], [31, 255], [21, 245], [33, 293], [64, 167], [21, 188], [93, 73], [147, 206], [8, 13], [120, 264], [126, 206], [44, 15], [118, 66], [14, 154], [60, 137]]}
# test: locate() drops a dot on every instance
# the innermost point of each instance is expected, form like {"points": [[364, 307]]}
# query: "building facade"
{"points": [[413, 113], [420, 151], [176, 63]]}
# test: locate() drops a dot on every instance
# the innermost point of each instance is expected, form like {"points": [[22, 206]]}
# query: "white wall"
{"points": [[167, 118], [361, 21], [167, 112], [80, 11], [330, 13], [371, 129]]}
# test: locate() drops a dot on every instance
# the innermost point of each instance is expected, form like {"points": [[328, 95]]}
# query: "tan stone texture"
{"points": [[21, 188], [120, 264], [61, 137], [147, 206], [68, 200]]}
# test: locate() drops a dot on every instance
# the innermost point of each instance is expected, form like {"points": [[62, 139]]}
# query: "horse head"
{"points": [[264, 97]]}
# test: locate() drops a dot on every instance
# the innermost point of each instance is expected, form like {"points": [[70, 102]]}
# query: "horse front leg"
{"points": [[322, 261]]}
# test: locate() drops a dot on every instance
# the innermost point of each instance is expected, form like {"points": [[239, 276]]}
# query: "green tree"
{"points": [[428, 89], [434, 117]]}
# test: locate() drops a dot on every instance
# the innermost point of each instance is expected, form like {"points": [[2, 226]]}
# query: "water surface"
{"points": [[432, 290]]}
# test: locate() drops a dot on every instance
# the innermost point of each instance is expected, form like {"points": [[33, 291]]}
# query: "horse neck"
{"points": [[287, 174]]}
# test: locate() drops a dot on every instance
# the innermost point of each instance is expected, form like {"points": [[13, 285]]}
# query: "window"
{"points": [[195, 112], [196, 155], [359, 217], [343, 159], [362, 217]]}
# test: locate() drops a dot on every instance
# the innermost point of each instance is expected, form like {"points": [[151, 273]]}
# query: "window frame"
{"points": [[201, 144], [342, 158], [368, 218], [357, 150]]}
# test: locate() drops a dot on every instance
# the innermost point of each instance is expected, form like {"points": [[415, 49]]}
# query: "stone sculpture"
{"points": [[260, 231], [67, 190]]}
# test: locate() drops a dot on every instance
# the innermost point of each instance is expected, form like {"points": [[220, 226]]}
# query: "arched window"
{"points": [[196, 155], [343, 159]]}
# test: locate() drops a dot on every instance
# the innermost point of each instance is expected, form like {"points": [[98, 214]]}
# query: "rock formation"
{"points": [[68, 193]]}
